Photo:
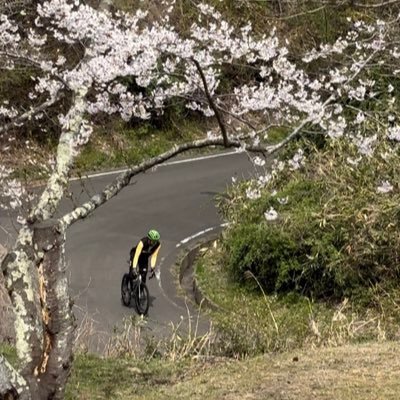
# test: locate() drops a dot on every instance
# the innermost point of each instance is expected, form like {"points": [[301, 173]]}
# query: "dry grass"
{"points": [[352, 372], [370, 371]]}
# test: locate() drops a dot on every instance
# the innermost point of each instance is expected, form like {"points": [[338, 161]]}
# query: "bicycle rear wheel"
{"points": [[142, 299], [126, 290]]}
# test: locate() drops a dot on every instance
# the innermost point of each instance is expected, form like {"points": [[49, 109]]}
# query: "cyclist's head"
{"points": [[153, 235]]}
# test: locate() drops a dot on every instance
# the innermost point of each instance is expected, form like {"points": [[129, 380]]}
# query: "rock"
{"points": [[6, 317]]}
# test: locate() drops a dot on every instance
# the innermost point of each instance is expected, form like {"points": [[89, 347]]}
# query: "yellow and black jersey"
{"points": [[144, 250]]}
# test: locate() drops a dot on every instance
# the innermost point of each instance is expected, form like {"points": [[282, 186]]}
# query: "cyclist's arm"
{"points": [[153, 259], [139, 248]]}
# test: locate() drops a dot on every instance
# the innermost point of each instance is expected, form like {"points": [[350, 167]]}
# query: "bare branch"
{"points": [[212, 104], [315, 10], [239, 118], [383, 4]]}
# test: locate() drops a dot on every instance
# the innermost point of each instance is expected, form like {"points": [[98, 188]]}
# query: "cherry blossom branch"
{"points": [[274, 148], [298, 129], [124, 178], [25, 60], [29, 114], [223, 110], [368, 114]]}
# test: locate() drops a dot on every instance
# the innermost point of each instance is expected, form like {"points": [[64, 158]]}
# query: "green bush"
{"points": [[335, 237]]}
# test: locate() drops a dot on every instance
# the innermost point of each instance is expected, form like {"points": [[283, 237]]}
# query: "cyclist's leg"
{"points": [[131, 256]]}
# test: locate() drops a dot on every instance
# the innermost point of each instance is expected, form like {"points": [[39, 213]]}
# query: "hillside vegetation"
{"points": [[305, 276]]}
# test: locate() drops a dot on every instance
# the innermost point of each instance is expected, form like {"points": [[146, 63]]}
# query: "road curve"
{"points": [[178, 200]]}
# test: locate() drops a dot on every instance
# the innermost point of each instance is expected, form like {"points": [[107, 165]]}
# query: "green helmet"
{"points": [[153, 235]]}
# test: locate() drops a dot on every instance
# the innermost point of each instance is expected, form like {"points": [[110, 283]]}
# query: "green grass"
{"points": [[123, 146], [9, 353], [252, 322], [116, 378], [117, 145]]}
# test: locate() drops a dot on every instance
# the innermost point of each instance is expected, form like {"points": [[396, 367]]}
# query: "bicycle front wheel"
{"points": [[142, 299]]}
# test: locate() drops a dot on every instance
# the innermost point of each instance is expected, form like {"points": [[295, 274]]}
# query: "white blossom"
{"points": [[384, 187], [353, 161], [360, 118], [283, 200], [365, 145], [297, 161], [259, 161], [21, 220], [263, 180], [253, 193], [212, 135], [271, 214], [394, 133]]}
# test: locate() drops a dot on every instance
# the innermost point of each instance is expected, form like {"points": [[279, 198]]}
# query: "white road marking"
{"points": [[189, 238], [182, 242], [186, 160], [158, 276]]}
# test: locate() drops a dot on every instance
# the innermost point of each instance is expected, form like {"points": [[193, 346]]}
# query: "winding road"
{"points": [[178, 200]]}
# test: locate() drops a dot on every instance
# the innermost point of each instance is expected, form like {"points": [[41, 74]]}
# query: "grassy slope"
{"points": [[357, 372], [368, 371]]}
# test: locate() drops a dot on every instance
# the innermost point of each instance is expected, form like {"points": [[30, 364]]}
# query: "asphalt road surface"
{"points": [[177, 199]]}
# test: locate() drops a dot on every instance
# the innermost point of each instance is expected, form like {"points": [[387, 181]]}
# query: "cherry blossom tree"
{"points": [[165, 65]]}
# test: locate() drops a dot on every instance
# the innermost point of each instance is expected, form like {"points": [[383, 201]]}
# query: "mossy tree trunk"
{"points": [[35, 275]]}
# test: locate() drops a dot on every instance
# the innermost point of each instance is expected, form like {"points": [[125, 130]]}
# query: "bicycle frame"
{"points": [[137, 290]]}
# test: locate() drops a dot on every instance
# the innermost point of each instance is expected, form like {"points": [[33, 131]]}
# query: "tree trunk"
{"points": [[37, 284], [7, 334], [12, 385], [58, 320]]}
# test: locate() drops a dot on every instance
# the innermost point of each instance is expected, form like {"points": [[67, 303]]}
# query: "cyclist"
{"points": [[147, 247]]}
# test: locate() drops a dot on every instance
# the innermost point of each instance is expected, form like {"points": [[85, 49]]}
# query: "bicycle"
{"points": [[136, 288]]}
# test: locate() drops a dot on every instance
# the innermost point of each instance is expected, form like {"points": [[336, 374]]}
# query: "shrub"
{"points": [[336, 236]]}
